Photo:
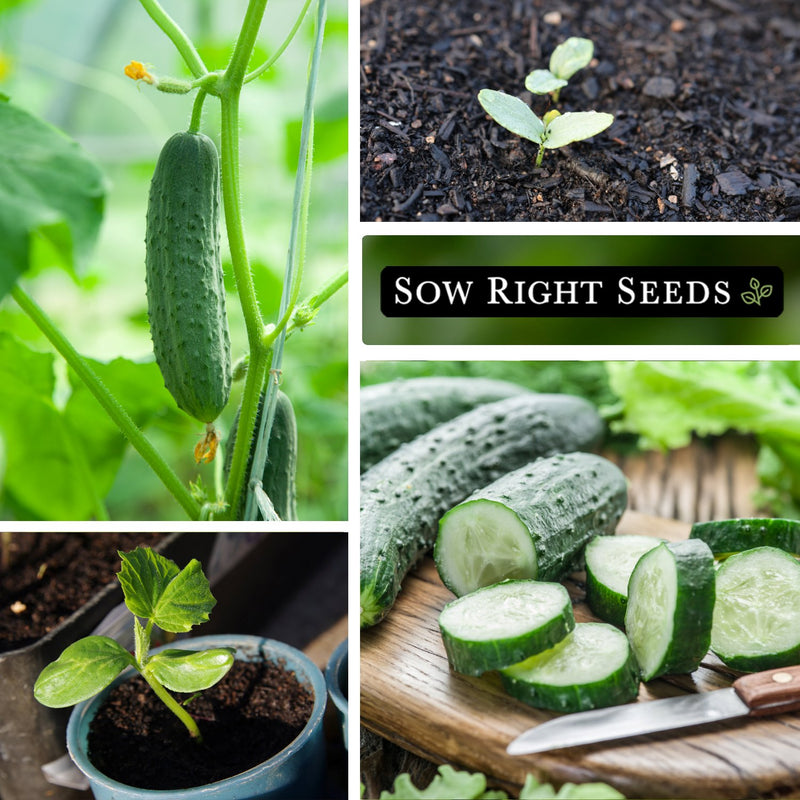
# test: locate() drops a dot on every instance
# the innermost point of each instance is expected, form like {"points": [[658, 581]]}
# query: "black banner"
{"points": [[520, 291]]}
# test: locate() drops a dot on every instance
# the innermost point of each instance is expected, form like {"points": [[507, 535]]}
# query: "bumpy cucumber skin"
{"points": [[735, 535], [280, 470], [395, 412], [694, 606], [754, 662], [620, 687], [475, 658], [564, 501], [185, 292], [404, 495]]}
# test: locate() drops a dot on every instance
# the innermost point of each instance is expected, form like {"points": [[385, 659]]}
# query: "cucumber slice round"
{"points": [[670, 607], [592, 667], [725, 536], [757, 613], [530, 523], [499, 625], [609, 563]]}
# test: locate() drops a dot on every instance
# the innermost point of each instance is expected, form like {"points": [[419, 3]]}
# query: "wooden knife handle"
{"points": [[770, 692]]}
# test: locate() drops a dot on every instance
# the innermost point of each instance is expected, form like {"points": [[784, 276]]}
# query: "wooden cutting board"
{"points": [[410, 696]]}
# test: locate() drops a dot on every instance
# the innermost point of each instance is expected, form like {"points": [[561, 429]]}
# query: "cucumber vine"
{"points": [[265, 340]]}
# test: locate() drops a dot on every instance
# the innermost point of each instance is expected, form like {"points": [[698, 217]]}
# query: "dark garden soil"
{"points": [[704, 94], [249, 716], [49, 576]]}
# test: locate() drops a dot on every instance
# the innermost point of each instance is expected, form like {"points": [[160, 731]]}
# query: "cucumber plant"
{"points": [[193, 183], [571, 55], [172, 599]]}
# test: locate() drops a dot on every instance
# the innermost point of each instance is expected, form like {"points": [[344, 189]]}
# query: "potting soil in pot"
{"points": [[49, 576], [248, 717]]}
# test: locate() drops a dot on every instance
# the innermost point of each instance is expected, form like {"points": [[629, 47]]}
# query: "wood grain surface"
{"points": [[410, 697]]}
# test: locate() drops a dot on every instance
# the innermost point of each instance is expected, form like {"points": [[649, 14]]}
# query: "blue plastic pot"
{"points": [[298, 771], [336, 678]]}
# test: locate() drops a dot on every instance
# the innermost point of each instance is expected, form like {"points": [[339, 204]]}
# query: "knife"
{"points": [[772, 692]]}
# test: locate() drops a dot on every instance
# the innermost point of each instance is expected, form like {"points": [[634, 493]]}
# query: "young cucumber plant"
{"points": [[569, 57], [162, 595], [554, 130]]}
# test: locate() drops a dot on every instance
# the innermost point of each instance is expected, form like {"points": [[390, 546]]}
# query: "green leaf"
{"points": [[570, 56], [81, 671], [749, 298], [575, 126], [449, 784], [144, 577], [587, 791], [50, 191], [190, 671], [512, 113], [542, 81]]}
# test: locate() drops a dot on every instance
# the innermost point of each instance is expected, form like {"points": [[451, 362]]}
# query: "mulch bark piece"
{"points": [[700, 89], [51, 575], [249, 716]]}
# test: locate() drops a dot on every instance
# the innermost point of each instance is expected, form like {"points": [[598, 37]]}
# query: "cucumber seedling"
{"points": [[554, 130], [569, 57], [162, 595]]}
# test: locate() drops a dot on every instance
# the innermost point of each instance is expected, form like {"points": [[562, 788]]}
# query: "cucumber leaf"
{"points": [[570, 56], [447, 785], [51, 194], [190, 671], [574, 126], [144, 576], [81, 671], [512, 113], [542, 81]]}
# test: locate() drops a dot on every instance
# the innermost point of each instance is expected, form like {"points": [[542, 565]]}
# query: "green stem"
{"points": [[181, 41], [310, 306], [237, 67], [109, 403], [173, 705], [540, 156], [197, 111], [261, 69]]}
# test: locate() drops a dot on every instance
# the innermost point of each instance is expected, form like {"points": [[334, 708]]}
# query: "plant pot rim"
{"points": [[251, 646]]}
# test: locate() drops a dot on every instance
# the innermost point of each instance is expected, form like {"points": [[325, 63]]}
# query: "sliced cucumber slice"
{"points": [[609, 563], [499, 625], [757, 613], [725, 536], [592, 667], [670, 607], [531, 523]]}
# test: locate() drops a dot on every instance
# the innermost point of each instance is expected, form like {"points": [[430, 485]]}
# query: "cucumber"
{"points": [[670, 607], [531, 523], [499, 625], [404, 495], [185, 292], [757, 613], [395, 412], [592, 667], [280, 469], [609, 562], [726, 536]]}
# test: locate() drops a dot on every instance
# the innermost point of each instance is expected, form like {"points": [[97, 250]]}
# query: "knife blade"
{"points": [[762, 693]]}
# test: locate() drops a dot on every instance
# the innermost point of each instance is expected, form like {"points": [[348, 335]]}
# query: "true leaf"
{"points": [[186, 601], [512, 113], [570, 56], [144, 577], [188, 670], [575, 126], [49, 189], [542, 81], [81, 671]]}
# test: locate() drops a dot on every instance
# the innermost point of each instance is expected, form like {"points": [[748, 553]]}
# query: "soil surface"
{"points": [[49, 576], [704, 94], [249, 716]]}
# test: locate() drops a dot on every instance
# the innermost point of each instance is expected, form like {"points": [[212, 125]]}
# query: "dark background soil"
{"points": [[704, 93], [246, 718]]}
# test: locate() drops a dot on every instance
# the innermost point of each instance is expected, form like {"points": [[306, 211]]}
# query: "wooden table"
{"points": [[424, 714]]}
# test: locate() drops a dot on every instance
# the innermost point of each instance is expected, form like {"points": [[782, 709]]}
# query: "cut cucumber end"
{"points": [[482, 542], [500, 625], [757, 613], [592, 667]]}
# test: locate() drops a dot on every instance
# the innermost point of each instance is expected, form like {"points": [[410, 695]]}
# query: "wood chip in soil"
{"points": [[704, 94]]}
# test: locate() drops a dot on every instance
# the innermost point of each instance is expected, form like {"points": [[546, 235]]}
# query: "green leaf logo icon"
{"points": [[758, 294]]}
